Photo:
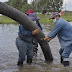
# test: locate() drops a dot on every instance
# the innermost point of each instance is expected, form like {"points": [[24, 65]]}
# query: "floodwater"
{"points": [[9, 53]]}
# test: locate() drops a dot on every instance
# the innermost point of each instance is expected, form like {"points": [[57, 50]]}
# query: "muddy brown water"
{"points": [[9, 53]]}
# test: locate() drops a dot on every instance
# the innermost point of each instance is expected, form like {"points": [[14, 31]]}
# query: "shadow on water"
{"points": [[9, 53]]}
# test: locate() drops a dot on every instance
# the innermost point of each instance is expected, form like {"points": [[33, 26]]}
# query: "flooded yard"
{"points": [[9, 53]]}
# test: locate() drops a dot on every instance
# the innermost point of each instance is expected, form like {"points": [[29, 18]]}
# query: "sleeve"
{"points": [[39, 24], [55, 30]]}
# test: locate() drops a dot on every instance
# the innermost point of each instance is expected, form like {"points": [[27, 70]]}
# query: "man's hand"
{"points": [[47, 38], [35, 32]]}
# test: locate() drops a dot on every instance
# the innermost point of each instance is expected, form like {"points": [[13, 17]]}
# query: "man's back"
{"points": [[25, 34]]}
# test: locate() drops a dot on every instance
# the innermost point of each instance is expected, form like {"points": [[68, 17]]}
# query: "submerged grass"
{"points": [[44, 19]]}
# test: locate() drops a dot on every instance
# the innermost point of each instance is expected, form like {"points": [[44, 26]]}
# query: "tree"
{"points": [[26, 7], [34, 4], [49, 5], [56, 5], [17, 3]]}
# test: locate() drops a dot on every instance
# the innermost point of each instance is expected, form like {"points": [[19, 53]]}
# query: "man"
{"points": [[34, 18], [24, 44], [37, 21], [30, 13], [63, 30]]}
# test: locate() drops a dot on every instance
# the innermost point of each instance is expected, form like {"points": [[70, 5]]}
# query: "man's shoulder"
{"points": [[60, 21]]}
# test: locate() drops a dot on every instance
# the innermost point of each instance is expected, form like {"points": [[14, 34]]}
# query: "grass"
{"points": [[6, 20], [67, 17], [44, 19]]}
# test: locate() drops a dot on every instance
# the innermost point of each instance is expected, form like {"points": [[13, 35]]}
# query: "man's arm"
{"points": [[55, 30], [37, 22]]}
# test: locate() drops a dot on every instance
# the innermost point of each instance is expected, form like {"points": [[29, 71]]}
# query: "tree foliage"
{"points": [[37, 5], [26, 7], [18, 4], [49, 5]]}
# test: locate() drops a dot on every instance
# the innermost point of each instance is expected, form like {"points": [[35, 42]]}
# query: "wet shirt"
{"points": [[25, 34], [63, 30]]}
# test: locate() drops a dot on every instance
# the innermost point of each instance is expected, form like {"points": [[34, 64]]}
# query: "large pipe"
{"points": [[29, 24]]}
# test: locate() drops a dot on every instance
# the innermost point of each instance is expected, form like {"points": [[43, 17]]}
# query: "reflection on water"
{"points": [[9, 53]]}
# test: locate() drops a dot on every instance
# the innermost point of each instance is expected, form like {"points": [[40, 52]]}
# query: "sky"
{"points": [[67, 4]]}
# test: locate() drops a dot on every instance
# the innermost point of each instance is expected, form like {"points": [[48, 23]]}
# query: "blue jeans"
{"points": [[65, 53], [24, 49]]}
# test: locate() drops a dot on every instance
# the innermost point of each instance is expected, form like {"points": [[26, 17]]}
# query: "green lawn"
{"points": [[67, 17], [44, 19], [6, 20]]}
